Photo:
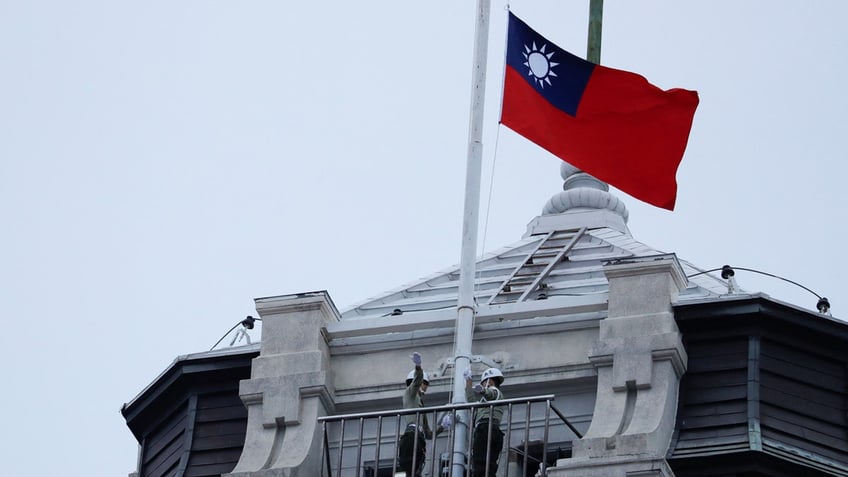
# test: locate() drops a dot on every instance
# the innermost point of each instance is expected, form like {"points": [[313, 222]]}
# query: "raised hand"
{"points": [[447, 421]]}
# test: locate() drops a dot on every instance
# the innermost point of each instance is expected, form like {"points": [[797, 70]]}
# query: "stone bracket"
{"points": [[280, 396]]}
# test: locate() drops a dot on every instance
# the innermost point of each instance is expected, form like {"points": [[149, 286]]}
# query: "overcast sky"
{"points": [[163, 163]]}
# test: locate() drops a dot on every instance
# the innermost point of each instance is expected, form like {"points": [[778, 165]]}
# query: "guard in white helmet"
{"points": [[412, 446], [486, 418]]}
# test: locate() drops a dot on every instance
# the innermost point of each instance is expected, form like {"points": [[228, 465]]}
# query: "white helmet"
{"points": [[492, 373], [411, 376]]}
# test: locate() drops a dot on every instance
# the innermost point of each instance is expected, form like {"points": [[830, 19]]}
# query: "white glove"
{"points": [[416, 358], [478, 389], [447, 421], [467, 374]]}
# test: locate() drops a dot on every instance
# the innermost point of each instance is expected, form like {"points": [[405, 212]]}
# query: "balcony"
{"points": [[535, 434]]}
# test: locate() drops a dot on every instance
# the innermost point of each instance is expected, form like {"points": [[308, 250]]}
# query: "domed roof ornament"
{"points": [[583, 192]]}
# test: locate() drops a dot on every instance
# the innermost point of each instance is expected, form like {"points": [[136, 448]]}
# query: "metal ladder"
{"points": [[537, 265]]}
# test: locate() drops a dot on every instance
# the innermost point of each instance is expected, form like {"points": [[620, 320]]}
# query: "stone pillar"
{"points": [[289, 388], [639, 358]]}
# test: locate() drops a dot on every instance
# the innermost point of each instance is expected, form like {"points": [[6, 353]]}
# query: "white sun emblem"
{"points": [[539, 64]]}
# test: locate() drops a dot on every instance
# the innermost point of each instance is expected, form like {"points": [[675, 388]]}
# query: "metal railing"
{"points": [[366, 444]]}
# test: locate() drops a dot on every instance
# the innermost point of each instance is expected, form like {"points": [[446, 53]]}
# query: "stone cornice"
{"points": [[298, 302], [445, 318], [382, 339], [647, 265]]}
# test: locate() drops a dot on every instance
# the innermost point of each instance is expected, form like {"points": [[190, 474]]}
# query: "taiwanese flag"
{"points": [[610, 123]]}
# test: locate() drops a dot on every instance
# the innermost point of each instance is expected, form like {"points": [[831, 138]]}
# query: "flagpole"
{"points": [[593, 43], [593, 46], [466, 308]]}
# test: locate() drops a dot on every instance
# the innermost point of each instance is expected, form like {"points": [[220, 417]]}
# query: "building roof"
{"points": [[557, 268], [560, 257], [194, 364], [764, 390], [190, 420]]}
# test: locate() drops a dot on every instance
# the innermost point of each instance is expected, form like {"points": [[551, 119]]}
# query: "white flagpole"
{"points": [[467, 267]]}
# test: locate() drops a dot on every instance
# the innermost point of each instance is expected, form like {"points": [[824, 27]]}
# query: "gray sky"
{"points": [[162, 164]]}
